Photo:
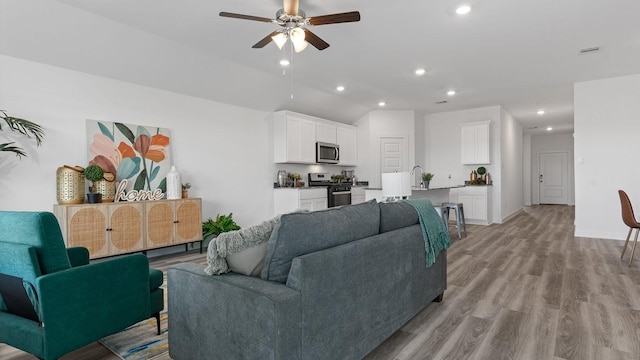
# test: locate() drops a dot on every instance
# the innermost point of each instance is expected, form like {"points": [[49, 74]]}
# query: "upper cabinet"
{"points": [[326, 132], [347, 138], [475, 141], [295, 136]]}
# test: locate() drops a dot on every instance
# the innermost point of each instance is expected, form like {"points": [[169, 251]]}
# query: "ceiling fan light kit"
{"points": [[293, 22]]}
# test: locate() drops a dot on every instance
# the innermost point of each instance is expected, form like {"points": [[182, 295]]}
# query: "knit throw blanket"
{"points": [[434, 232]]}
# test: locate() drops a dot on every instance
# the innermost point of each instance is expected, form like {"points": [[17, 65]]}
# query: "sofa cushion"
{"points": [[241, 251], [303, 233], [397, 215]]}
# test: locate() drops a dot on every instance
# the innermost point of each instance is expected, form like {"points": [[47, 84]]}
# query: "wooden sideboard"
{"points": [[115, 228]]}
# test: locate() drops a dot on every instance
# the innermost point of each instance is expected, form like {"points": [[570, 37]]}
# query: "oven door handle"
{"points": [[341, 192]]}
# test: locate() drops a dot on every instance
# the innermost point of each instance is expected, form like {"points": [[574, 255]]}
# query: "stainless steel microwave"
{"points": [[327, 153]]}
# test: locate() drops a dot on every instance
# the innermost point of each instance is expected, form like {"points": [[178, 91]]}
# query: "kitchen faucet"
{"points": [[414, 169]]}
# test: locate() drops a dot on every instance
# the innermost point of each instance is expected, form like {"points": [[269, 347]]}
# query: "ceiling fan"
{"points": [[293, 21]]}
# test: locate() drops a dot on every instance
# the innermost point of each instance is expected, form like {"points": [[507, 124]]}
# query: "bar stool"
{"points": [[440, 212], [460, 224]]}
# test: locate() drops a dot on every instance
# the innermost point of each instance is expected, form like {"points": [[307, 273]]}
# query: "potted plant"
{"points": [[338, 178], [296, 179], [22, 126], [481, 171], [185, 190], [426, 178], [212, 228], [93, 173]]}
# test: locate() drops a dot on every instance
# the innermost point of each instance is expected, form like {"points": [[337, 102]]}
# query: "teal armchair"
{"points": [[74, 303]]}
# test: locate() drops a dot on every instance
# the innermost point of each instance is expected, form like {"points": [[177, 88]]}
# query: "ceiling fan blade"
{"points": [[267, 39], [314, 40], [291, 7], [245, 17], [335, 18]]}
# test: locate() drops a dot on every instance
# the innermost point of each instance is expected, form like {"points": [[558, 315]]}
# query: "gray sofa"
{"points": [[335, 284]]}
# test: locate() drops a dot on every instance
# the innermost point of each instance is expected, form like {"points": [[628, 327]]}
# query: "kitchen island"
{"points": [[437, 195]]}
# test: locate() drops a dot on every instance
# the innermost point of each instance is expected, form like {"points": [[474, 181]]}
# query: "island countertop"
{"points": [[417, 188]]}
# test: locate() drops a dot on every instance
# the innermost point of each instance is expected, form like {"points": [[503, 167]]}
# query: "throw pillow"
{"points": [[240, 251]]}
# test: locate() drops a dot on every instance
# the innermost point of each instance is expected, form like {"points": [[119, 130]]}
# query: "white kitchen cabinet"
{"points": [[475, 143], [347, 138], [476, 201], [290, 199], [357, 195], [294, 138], [326, 132]]}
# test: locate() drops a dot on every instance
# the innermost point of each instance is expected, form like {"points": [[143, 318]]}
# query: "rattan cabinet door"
{"points": [[189, 220], [125, 228], [87, 227], [159, 222]]}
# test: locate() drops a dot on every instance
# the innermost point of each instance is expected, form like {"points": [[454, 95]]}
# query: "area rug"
{"points": [[141, 341]]}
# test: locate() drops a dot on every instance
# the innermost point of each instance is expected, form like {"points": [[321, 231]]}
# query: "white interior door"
{"points": [[553, 178], [393, 154]]}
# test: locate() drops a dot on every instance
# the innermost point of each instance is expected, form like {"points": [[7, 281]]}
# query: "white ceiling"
{"points": [[520, 54]]}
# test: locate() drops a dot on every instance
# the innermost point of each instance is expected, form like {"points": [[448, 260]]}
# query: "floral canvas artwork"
{"points": [[139, 154]]}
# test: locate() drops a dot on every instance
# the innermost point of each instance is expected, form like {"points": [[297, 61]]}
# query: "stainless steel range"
{"points": [[338, 194]]}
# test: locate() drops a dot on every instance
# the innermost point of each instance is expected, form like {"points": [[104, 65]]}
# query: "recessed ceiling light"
{"points": [[463, 9], [382, 104], [549, 128], [340, 88], [421, 72], [284, 62], [451, 92], [540, 112]]}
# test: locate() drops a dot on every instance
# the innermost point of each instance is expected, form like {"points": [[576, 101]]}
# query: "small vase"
{"points": [[185, 194], [174, 184], [425, 184]]}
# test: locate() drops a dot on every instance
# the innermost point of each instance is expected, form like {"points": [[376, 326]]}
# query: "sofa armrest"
{"points": [[231, 316], [78, 256], [83, 304]]}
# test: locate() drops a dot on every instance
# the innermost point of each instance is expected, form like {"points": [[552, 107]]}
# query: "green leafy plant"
{"points": [[481, 170], [22, 126], [338, 178], [427, 176], [295, 176], [93, 173], [186, 186], [222, 223]]}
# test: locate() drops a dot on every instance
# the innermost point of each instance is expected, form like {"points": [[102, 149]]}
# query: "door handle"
{"points": [[540, 177]]}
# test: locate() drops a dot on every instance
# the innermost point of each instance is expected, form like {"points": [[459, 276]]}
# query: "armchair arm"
{"points": [[83, 304], [78, 256], [231, 316]]}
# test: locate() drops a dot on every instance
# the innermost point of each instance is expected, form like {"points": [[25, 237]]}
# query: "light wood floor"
{"points": [[526, 289]]}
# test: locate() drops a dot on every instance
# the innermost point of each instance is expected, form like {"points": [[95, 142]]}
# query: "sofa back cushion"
{"points": [[397, 215], [303, 233]]}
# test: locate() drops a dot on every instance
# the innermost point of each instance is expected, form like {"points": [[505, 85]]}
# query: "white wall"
{"points": [[607, 126], [443, 133], [222, 150], [511, 149], [371, 128], [550, 143], [526, 169], [442, 146]]}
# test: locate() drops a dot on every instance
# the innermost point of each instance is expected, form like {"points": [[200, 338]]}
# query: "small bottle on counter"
{"points": [[474, 175]]}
